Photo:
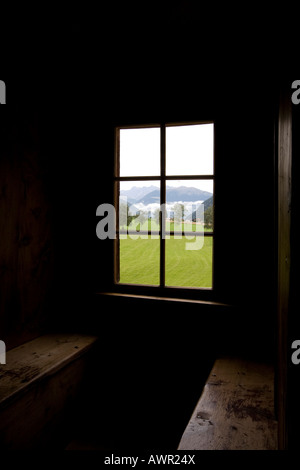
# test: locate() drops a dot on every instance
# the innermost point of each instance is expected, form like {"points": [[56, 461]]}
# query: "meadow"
{"points": [[140, 261]]}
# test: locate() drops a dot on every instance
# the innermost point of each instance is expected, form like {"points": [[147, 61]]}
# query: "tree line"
{"points": [[177, 215]]}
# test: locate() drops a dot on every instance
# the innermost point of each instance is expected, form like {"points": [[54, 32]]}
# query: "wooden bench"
{"points": [[235, 410], [39, 387]]}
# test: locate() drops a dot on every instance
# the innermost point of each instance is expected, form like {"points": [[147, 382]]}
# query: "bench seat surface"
{"points": [[235, 410]]}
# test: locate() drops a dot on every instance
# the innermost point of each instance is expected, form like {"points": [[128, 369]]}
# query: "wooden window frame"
{"points": [[162, 179]]}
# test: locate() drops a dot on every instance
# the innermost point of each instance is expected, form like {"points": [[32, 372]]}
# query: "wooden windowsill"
{"points": [[165, 299]]}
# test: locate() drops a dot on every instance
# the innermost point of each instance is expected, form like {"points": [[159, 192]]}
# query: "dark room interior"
{"points": [[96, 365]]}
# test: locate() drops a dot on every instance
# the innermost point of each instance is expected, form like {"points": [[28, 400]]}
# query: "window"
{"points": [[164, 191]]}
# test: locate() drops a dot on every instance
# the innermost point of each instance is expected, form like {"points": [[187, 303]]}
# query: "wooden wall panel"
{"points": [[284, 255], [26, 251]]}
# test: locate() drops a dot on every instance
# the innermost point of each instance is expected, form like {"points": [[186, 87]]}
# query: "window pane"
{"points": [[139, 260], [187, 267], [139, 204], [189, 205], [190, 149], [140, 248], [140, 152]]}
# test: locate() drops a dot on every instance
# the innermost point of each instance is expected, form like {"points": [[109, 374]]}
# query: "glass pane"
{"points": [[140, 152], [139, 224], [190, 150], [139, 260], [189, 267], [139, 205], [189, 205]]}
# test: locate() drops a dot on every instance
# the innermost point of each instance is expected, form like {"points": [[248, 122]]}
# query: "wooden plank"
{"points": [[284, 256], [37, 359], [166, 299], [43, 416], [235, 410], [26, 250]]}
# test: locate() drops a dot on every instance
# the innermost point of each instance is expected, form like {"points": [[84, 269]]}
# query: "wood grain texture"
{"points": [[37, 359], [26, 242], [41, 387], [284, 257], [236, 409]]}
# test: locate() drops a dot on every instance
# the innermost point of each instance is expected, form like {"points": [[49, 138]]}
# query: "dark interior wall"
{"points": [[45, 202], [293, 322], [26, 253]]}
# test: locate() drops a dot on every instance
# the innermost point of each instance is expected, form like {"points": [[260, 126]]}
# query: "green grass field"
{"points": [[139, 262]]}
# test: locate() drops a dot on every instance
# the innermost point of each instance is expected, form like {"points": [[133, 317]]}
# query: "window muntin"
{"points": [[153, 249]]}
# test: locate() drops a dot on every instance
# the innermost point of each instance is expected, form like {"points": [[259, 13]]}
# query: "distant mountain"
{"points": [[136, 193], [208, 203], [181, 193]]}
